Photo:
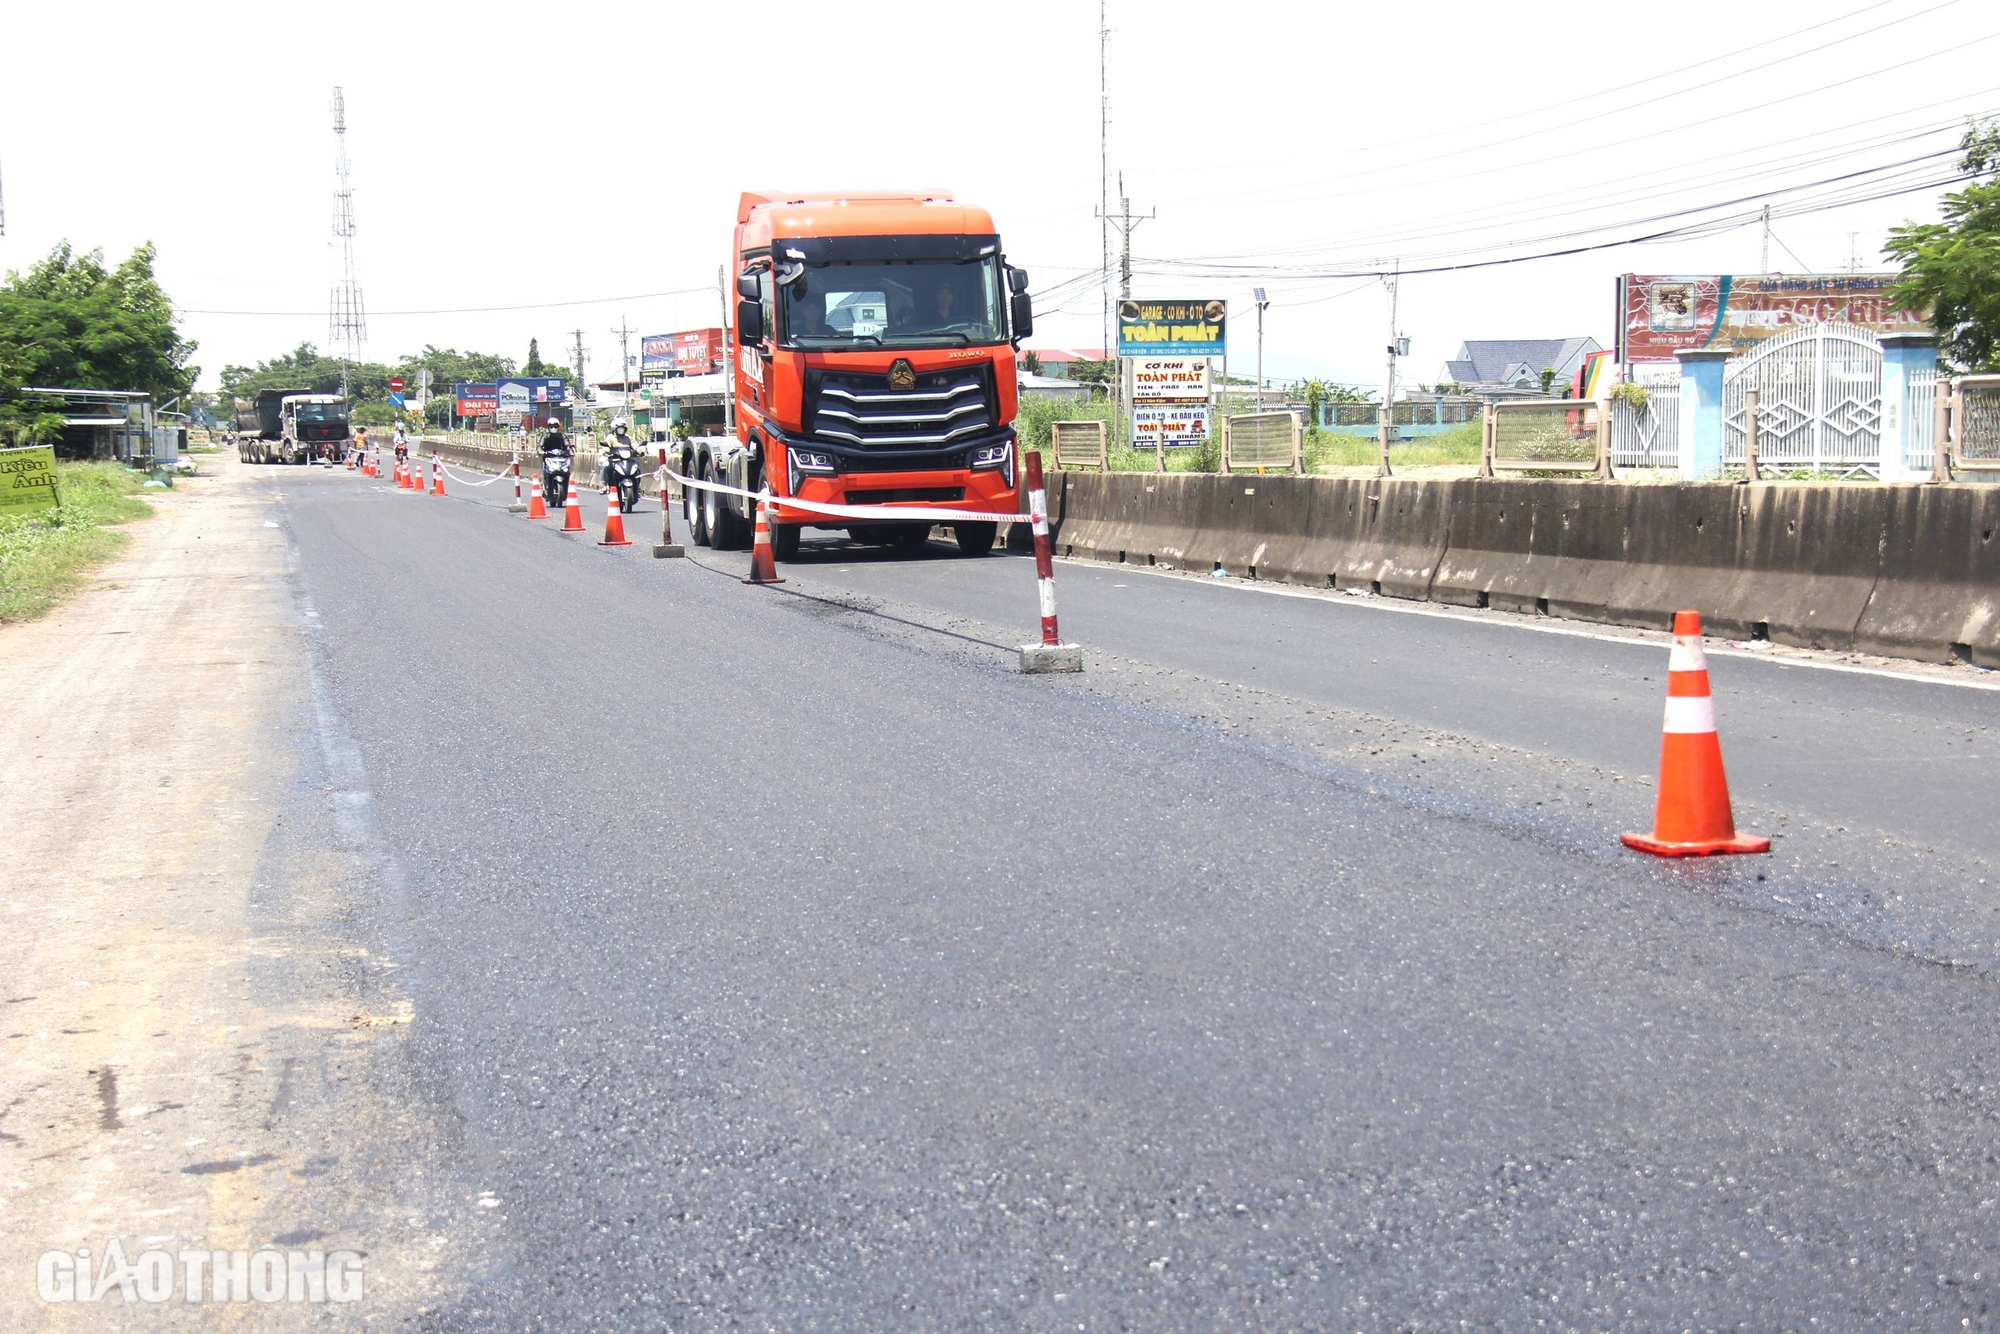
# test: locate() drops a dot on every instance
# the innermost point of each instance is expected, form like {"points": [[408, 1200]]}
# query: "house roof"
{"points": [[1505, 360], [1067, 354]]}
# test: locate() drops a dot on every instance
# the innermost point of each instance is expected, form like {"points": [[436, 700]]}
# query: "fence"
{"points": [[1411, 417], [1920, 424], [1081, 444], [1546, 435], [1970, 424], [1648, 435], [1262, 440]]}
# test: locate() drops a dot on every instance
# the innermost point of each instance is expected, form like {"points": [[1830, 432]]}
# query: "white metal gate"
{"points": [[1819, 390]]}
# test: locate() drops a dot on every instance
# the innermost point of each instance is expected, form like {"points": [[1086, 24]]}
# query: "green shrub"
{"points": [[43, 557]]}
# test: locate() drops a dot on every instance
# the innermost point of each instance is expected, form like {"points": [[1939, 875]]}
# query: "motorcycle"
{"points": [[621, 469], [555, 478]]}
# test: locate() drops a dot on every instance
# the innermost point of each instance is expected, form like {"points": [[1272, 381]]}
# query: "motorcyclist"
{"points": [[553, 442], [555, 483], [621, 448]]}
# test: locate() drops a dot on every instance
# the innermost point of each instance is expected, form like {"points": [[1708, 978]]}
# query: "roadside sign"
{"points": [[27, 480], [1170, 380], [1173, 328], [395, 384], [1171, 426], [396, 398]]}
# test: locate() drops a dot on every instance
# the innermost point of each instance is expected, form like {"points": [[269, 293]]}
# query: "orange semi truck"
{"points": [[873, 350]]}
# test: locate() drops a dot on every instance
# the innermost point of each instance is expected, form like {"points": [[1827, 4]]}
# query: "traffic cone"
{"points": [[572, 511], [614, 520], [437, 474], [350, 460], [536, 509], [763, 565], [1691, 817], [403, 474]]}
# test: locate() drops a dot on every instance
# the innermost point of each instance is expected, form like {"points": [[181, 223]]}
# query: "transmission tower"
{"points": [[346, 317]]}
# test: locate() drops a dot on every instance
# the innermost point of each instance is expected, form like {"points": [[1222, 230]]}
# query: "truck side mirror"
{"points": [[750, 322], [1017, 280], [1023, 311], [746, 284]]}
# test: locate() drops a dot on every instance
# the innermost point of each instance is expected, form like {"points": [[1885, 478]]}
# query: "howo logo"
{"points": [[963, 356], [901, 376]]}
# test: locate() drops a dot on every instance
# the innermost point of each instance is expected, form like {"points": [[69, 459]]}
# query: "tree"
{"points": [[1952, 268], [71, 322], [1031, 362], [533, 365]]}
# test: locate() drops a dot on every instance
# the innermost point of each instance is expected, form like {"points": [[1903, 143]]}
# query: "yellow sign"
{"points": [[27, 480]]}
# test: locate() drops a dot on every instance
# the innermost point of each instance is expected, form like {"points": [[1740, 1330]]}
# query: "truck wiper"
{"points": [[841, 338]]}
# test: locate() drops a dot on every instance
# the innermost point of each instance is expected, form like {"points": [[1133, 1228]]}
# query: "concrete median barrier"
{"points": [[1938, 594], [1906, 570]]}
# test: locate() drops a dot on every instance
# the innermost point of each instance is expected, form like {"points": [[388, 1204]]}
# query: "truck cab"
{"points": [[313, 425], [872, 363]]}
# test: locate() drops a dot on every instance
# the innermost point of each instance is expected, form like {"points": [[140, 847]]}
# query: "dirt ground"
{"points": [[199, 1044]]}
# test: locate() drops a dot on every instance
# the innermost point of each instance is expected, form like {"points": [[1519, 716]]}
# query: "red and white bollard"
{"points": [[1051, 655], [519, 505]]}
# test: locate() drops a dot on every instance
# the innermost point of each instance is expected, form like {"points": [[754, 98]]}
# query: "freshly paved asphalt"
{"points": [[784, 963]]}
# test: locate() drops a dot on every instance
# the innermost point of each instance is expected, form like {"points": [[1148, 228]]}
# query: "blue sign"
{"points": [[542, 389], [395, 400]]}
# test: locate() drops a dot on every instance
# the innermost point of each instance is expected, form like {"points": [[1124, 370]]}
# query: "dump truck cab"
{"points": [[873, 363]]}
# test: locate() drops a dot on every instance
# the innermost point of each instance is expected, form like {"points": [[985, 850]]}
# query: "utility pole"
{"points": [[1389, 379], [625, 363], [582, 385], [1262, 302], [1104, 170], [1764, 256], [1126, 220]]}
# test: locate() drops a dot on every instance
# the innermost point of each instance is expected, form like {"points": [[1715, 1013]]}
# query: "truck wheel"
{"points": [[975, 539], [909, 536], [714, 515], [785, 541], [726, 529], [691, 511]]}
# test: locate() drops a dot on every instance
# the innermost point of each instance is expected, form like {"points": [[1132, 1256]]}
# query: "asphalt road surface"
{"points": [[783, 959]]}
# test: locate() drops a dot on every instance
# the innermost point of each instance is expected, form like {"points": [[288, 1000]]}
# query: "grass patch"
{"points": [[1329, 449], [42, 559]]}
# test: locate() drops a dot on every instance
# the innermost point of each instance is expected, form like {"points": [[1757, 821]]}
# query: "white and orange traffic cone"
{"points": [[572, 511], [437, 474], [614, 520], [536, 509], [1691, 817], [763, 564]]}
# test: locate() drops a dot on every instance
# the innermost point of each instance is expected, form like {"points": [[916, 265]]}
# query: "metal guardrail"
{"points": [[1546, 435], [1084, 444], [1263, 440]]}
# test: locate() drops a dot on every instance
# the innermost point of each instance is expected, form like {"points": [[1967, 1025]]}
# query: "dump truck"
{"points": [[872, 362], [290, 426]]}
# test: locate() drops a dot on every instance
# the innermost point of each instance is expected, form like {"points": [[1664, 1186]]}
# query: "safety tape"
{"points": [[898, 512]]}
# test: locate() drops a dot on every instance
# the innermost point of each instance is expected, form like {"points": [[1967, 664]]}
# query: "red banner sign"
{"points": [[1659, 315]]}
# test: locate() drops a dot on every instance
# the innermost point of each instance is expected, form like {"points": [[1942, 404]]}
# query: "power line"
{"points": [[472, 310]]}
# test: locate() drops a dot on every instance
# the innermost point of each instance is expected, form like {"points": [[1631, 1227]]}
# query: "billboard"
{"points": [[1170, 380], [1172, 328], [477, 400], [521, 393], [1170, 425], [656, 352], [698, 351], [1660, 314]]}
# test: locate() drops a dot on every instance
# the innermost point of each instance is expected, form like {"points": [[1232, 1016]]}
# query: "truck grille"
{"points": [[857, 410], [903, 495]]}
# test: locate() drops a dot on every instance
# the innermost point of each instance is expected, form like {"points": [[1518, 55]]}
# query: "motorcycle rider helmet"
{"points": [[554, 422]]}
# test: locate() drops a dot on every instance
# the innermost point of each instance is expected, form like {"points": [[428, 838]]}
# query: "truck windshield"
{"points": [[894, 303], [322, 412]]}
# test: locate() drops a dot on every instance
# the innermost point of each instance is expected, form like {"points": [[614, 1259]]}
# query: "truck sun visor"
{"points": [[930, 246]]}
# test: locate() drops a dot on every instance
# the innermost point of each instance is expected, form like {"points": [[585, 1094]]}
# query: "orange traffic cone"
{"points": [[614, 520], [437, 474], [350, 460], [403, 474], [1692, 816], [536, 509], [572, 512], [763, 566]]}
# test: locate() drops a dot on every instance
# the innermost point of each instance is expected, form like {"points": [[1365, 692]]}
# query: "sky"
{"points": [[579, 165]]}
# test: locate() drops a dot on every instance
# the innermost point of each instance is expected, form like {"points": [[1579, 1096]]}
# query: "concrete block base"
{"points": [[661, 551], [1037, 659], [517, 509]]}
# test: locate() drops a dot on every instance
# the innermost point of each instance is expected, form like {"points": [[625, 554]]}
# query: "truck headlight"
{"points": [[999, 456], [811, 460]]}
